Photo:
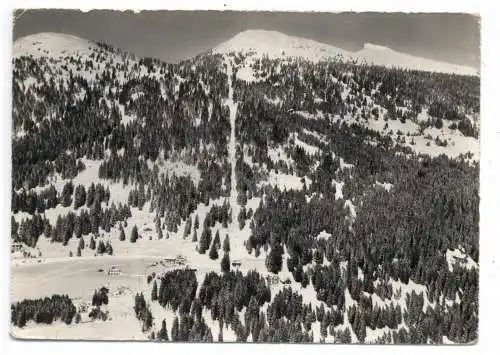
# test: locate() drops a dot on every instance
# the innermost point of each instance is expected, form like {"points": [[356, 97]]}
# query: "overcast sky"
{"points": [[174, 35]]}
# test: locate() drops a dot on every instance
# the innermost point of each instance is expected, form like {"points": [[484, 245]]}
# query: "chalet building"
{"points": [[16, 247], [178, 260], [114, 271], [272, 279]]}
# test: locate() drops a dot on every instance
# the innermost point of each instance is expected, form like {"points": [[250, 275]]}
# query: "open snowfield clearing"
{"points": [[286, 181], [247, 74], [77, 277], [122, 326], [459, 145], [176, 166]]}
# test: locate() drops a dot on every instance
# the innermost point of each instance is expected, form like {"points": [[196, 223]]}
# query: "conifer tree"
{"points": [[159, 231], [175, 329], [213, 254], [225, 263], [154, 291], [109, 248], [148, 320], [242, 199], [21, 318], [305, 280], [196, 222], [141, 197], [205, 240], [134, 235], [274, 260], [101, 249], [53, 233], [122, 234], [77, 230], [92, 243], [80, 196], [90, 195], [226, 247], [81, 244], [163, 333], [187, 228], [66, 194], [107, 195], [242, 218], [217, 240]]}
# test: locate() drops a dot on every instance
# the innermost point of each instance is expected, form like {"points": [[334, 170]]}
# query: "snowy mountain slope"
{"points": [[191, 139], [366, 106], [276, 44], [381, 55], [51, 44]]}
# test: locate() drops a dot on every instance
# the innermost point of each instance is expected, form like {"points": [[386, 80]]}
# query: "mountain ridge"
{"points": [[272, 43], [279, 44]]}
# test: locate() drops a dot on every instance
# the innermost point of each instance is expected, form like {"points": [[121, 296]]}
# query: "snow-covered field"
{"points": [[122, 326], [286, 181]]}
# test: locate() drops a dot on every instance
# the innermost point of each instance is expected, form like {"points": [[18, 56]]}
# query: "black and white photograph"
{"points": [[245, 177]]}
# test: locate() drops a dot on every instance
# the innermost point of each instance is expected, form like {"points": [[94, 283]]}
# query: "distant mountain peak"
{"points": [[50, 44], [277, 44]]}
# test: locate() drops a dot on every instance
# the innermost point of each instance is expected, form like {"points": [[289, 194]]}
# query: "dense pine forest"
{"points": [[347, 184]]}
